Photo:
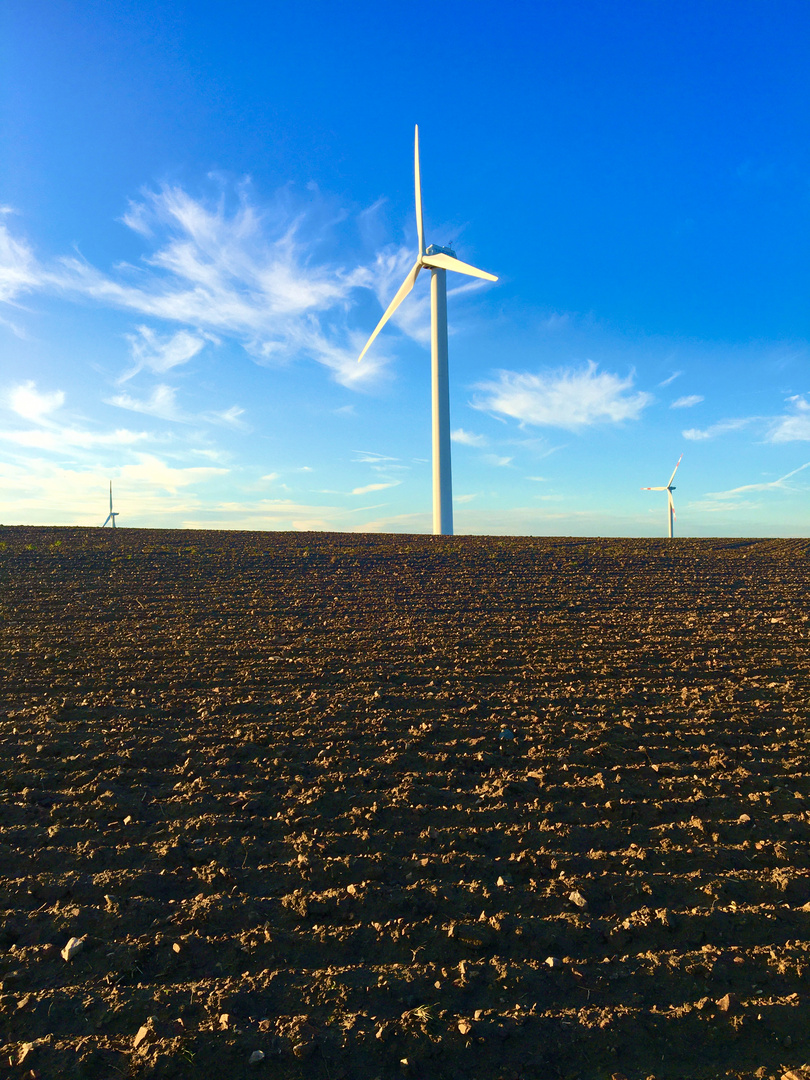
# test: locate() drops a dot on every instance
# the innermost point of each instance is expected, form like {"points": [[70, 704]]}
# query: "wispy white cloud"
{"points": [[383, 464], [793, 426], [497, 460], [557, 320], [686, 402], [468, 438], [566, 398], [230, 268], [230, 417], [161, 403], [373, 487], [65, 439], [720, 506], [18, 267], [52, 432], [248, 273], [371, 457], [160, 353], [387, 468], [781, 484], [722, 427], [671, 379]]}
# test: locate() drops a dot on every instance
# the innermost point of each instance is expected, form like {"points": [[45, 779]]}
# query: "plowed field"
{"points": [[267, 781]]}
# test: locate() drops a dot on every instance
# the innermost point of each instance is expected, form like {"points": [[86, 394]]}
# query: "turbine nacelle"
{"points": [[437, 249]]}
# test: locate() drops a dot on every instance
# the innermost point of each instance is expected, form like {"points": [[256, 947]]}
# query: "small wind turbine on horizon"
{"points": [[439, 260], [669, 488], [112, 514]]}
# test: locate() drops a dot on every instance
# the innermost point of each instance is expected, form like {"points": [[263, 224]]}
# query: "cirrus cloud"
{"points": [[794, 426], [160, 403], [468, 438], [568, 398], [722, 427], [374, 487], [161, 353], [791, 426], [18, 269], [242, 271], [780, 484]]}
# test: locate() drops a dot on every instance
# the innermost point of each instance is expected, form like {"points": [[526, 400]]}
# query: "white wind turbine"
{"points": [[112, 514], [439, 260], [669, 488]]}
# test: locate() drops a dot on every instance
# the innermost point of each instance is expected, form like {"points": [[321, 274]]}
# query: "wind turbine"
{"points": [[439, 260], [669, 488], [112, 514]]}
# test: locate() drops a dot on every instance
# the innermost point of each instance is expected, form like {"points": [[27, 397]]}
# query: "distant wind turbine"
{"points": [[440, 260], [112, 514], [669, 488]]}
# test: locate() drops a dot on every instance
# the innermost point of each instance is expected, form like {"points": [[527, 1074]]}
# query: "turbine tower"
{"points": [[439, 260], [112, 514], [669, 488]]}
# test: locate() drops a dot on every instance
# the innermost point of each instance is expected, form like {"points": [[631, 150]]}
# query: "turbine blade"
{"points": [[671, 501], [447, 262], [680, 459], [654, 489], [417, 180], [402, 292]]}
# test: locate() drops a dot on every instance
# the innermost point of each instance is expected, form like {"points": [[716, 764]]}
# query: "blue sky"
{"points": [[207, 206]]}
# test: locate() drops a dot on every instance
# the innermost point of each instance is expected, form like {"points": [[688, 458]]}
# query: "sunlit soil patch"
{"points": [[349, 807]]}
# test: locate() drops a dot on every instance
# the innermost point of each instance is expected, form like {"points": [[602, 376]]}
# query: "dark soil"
{"points": [[262, 777]]}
